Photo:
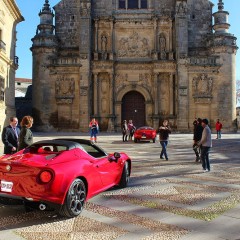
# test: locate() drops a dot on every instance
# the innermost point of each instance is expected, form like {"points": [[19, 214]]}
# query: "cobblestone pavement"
{"points": [[171, 199]]}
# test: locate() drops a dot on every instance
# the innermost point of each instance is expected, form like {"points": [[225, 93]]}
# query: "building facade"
{"points": [[10, 16], [145, 60]]}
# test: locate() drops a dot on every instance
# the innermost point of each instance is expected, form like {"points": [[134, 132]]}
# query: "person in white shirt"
{"points": [[206, 144]]}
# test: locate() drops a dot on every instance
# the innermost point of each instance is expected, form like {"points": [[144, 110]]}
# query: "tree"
{"points": [[238, 92]]}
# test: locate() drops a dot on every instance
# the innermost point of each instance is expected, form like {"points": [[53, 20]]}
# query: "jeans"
{"points": [[124, 137], [219, 134], [164, 149], [205, 158]]}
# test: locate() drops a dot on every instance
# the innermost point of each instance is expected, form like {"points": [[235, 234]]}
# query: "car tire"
{"points": [[135, 140], [75, 199], [125, 176], [154, 140]]}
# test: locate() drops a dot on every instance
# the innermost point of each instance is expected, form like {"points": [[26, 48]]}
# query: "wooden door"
{"points": [[133, 107]]}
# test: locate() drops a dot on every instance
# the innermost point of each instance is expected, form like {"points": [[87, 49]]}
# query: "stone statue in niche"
{"points": [[162, 42], [104, 42], [162, 46]]}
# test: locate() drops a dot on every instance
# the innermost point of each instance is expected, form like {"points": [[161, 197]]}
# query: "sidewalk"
{"points": [[171, 199]]}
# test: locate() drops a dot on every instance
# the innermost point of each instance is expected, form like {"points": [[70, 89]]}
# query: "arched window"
{"points": [[132, 4]]}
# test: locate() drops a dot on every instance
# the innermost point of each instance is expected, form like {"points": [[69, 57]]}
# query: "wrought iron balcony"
{"points": [[2, 45], [16, 62]]}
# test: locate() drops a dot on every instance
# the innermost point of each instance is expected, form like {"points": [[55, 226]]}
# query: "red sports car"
{"points": [[145, 133], [61, 174]]}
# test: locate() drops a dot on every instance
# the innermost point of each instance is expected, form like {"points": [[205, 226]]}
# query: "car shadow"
{"points": [[13, 217]]}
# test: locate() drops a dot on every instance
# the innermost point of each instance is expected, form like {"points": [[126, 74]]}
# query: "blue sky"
{"points": [[27, 29]]}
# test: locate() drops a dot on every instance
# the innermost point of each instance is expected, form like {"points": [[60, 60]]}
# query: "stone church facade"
{"points": [[145, 60]]}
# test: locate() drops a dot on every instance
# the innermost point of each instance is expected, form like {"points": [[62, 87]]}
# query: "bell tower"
{"points": [[223, 44], [44, 46]]}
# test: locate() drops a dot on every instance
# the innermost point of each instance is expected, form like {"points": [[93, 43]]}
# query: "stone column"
{"points": [[95, 95], [171, 98], [96, 35], [156, 102], [156, 34], [112, 104], [113, 39], [156, 90]]}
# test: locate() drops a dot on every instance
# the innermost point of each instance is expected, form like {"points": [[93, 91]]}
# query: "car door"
{"points": [[109, 170]]}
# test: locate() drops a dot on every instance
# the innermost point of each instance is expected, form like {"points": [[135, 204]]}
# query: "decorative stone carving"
{"points": [[64, 89], [202, 87], [145, 79], [183, 91], [85, 9], [181, 7], [83, 91], [2, 68], [134, 67], [134, 46], [121, 80]]}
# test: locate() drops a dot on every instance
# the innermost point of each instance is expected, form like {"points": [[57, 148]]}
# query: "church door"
{"points": [[133, 107]]}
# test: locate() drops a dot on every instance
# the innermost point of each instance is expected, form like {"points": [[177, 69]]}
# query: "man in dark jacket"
{"points": [[10, 136], [197, 135]]}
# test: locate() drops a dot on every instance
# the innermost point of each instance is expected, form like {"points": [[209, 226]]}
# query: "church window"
{"points": [[143, 3], [122, 4], [2, 89], [132, 4]]}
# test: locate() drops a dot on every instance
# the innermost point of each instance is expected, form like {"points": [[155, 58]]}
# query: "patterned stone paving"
{"points": [[176, 187]]}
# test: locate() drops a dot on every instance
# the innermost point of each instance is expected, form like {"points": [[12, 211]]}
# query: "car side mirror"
{"points": [[114, 157], [117, 155]]}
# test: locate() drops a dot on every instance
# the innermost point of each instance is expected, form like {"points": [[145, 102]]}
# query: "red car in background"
{"points": [[61, 175], [145, 133]]}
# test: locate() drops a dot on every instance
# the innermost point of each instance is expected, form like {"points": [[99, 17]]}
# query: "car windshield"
{"points": [[145, 128], [93, 150]]}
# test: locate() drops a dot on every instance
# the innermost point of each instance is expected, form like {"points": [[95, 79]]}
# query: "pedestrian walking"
{"points": [[218, 127], [206, 144], [94, 129], [26, 136], [197, 135], [164, 132], [10, 135]]}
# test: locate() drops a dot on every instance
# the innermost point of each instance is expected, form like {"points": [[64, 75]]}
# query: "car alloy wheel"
{"points": [[75, 199]]}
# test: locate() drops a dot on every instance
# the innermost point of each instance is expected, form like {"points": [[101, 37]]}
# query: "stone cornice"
{"points": [[14, 10]]}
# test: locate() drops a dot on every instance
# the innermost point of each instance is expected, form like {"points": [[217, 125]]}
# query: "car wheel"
{"points": [[135, 140], [75, 199], [125, 176], [154, 140]]}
